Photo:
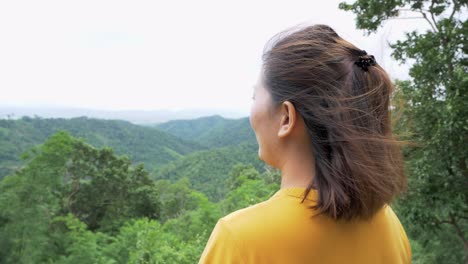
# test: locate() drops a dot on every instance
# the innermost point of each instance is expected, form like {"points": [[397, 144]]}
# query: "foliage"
{"points": [[28, 203], [177, 198], [208, 170], [144, 241], [103, 190], [78, 244], [212, 131], [241, 173], [74, 203], [142, 144], [249, 193], [433, 110], [66, 176]]}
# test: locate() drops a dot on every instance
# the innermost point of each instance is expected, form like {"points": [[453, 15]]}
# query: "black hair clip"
{"points": [[365, 60]]}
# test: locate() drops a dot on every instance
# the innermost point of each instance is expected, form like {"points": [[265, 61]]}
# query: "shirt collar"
{"points": [[297, 192]]}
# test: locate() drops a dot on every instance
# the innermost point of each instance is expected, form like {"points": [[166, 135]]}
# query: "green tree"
{"points": [[79, 245], [28, 203], [142, 241], [56, 207], [197, 222], [434, 112], [103, 190], [241, 173], [209, 169], [175, 198]]}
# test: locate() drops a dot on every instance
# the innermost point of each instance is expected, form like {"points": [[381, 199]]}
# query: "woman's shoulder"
{"points": [[250, 213], [275, 215], [284, 220], [283, 206]]}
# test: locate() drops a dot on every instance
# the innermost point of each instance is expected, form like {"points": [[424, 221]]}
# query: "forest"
{"points": [[85, 190], [67, 201]]}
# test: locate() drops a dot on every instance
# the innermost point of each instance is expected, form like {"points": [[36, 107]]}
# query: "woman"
{"points": [[321, 116]]}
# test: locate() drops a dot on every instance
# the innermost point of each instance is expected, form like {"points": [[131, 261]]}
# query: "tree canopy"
{"points": [[74, 203]]}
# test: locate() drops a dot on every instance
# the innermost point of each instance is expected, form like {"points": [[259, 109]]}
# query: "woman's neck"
{"points": [[297, 170]]}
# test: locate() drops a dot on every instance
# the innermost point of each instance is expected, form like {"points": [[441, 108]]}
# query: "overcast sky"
{"points": [[149, 55]]}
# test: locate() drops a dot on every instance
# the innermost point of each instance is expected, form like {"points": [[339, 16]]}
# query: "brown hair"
{"points": [[358, 161]]}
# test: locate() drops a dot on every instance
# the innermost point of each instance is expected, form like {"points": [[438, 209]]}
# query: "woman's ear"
{"points": [[288, 119]]}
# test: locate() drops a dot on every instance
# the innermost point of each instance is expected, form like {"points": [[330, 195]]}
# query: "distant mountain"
{"points": [[208, 170], [230, 141], [203, 149], [149, 145], [212, 131], [142, 117]]}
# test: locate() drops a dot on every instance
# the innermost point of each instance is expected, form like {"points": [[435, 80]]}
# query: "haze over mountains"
{"points": [[144, 117]]}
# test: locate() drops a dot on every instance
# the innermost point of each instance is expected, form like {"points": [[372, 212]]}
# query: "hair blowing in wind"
{"points": [[359, 162]]}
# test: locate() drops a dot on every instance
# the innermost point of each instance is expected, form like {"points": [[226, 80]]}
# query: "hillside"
{"points": [[208, 170], [74, 203], [151, 146], [212, 131]]}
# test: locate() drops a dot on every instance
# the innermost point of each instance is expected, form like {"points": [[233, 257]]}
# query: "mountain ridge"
{"points": [[144, 144], [212, 131]]}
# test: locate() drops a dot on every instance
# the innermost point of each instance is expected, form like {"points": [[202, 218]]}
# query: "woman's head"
{"points": [[342, 116], [278, 127]]}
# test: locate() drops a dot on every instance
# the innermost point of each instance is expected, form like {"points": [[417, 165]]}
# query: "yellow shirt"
{"points": [[282, 230]]}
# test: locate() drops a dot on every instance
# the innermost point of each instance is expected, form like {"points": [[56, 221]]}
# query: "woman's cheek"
{"points": [[253, 116]]}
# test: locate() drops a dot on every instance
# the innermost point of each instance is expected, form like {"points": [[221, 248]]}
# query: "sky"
{"points": [[152, 55]]}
